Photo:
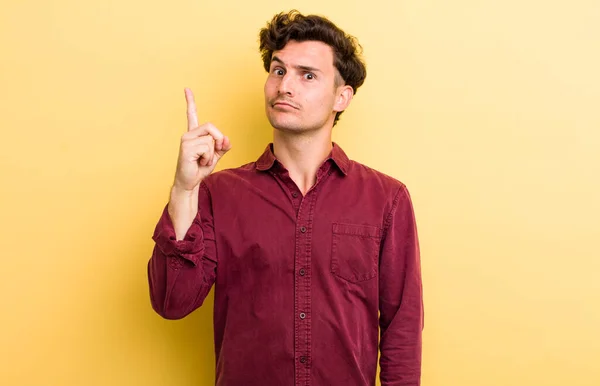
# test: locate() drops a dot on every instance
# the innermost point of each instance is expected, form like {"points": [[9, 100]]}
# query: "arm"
{"points": [[182, 269], [183, 265], [400, 297]]}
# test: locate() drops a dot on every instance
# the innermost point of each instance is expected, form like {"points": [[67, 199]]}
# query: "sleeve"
{"points": [[400, 297], [182, 272]]}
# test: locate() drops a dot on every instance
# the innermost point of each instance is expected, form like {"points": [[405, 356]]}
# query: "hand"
{"points": [[200, 149]]}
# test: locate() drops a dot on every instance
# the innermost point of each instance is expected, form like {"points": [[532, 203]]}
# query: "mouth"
{"points": [[284, 105]]}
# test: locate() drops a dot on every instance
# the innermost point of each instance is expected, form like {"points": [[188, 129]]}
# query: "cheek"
{"points": [[273, 81], [269, 86], [326, 100]]}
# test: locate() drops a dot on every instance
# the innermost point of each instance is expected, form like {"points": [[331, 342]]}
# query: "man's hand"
{"points": [[200, 149]]}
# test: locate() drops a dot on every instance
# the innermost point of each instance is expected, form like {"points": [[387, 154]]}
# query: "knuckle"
{"points": [[216, 132]]}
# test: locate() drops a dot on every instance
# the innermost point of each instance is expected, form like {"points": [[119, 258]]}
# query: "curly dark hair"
{"points": [[295, 26]]}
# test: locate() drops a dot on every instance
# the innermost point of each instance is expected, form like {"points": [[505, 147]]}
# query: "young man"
{"points": [[312, 255]]}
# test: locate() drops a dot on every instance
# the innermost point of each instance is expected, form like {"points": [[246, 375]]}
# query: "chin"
{"points": [[285, 123], [289, 128]]}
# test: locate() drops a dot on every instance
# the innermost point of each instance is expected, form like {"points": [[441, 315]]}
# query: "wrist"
{"points": [[180, 192]]}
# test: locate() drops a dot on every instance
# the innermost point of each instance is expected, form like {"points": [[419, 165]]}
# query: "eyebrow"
{"points": [[301, 67]]}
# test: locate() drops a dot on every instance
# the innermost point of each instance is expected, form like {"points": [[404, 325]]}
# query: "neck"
{"points": [[302, 154]]}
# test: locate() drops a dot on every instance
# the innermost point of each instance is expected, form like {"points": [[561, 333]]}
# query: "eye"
{"points": [[309, 76], [278, 71]]}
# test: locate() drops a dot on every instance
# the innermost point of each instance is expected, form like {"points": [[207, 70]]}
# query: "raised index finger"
{"points": [[192, 115]]}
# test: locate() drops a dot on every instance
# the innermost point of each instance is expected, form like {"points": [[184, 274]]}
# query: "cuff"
{"points": [[190, 248]]}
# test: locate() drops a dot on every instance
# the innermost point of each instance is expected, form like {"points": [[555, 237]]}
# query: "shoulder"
{"points": [[229, 177], [391, 192], [374, 179]]}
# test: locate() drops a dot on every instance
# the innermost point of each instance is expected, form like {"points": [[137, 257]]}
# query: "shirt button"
{"points": [[295, 194], [303, 229], [302, 272], [302, 315], [302, 359]]}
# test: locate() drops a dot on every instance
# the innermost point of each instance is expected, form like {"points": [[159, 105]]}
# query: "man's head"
{"points": [[314, 70]]}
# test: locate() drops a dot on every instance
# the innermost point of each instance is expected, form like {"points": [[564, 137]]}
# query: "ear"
{"points": [[343, 97]]}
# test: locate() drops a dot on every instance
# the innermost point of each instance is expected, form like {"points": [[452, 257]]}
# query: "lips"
{"points": [[284, 103]]}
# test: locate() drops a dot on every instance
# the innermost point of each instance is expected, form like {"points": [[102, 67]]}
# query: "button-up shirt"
{"points": [[308, 288]]}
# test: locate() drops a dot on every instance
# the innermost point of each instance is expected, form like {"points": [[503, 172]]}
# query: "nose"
{"points": [[286, 85]]}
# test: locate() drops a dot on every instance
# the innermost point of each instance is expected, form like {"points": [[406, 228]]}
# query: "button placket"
{"points": [[302, 299]]}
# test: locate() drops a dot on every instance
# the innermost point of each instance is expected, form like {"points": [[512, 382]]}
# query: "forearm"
{"points": [[182, 208], [181, 272], [178, 284]]}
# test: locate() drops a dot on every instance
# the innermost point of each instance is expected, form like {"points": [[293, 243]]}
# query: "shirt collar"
{"points": [[267, 160]]}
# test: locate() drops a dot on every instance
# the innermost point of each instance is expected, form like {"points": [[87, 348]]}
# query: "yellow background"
{"points": [[487, 110]]}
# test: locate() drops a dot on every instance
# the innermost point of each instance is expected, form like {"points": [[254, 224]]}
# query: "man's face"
{"points": [[301, 93]]}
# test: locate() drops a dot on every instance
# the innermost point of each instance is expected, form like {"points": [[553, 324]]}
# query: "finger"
{"points": [[226, 143], [225, 147], [207, 128], [192, 114], [219, 144], [206, 158], [197, 153], [194, 149], [193, 143], [203, 159], [209, 154]]}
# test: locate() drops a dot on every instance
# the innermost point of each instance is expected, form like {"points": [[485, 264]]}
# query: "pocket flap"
{"points": [[357, 230]]}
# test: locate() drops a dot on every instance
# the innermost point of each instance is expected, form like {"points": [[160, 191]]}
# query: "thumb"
{"points": [[224, 148]]}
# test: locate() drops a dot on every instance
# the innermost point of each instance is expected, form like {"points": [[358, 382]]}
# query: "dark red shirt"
{"points": [[304, 285]]}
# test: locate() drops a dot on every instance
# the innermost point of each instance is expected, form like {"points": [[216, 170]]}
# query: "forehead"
{"points": [[308, 53]]}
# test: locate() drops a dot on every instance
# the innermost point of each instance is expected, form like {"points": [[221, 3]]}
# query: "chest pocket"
{"points": [[355, 251]]}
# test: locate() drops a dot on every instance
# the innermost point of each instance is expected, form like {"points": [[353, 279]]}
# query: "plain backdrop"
{"points": [[487, 110]]}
